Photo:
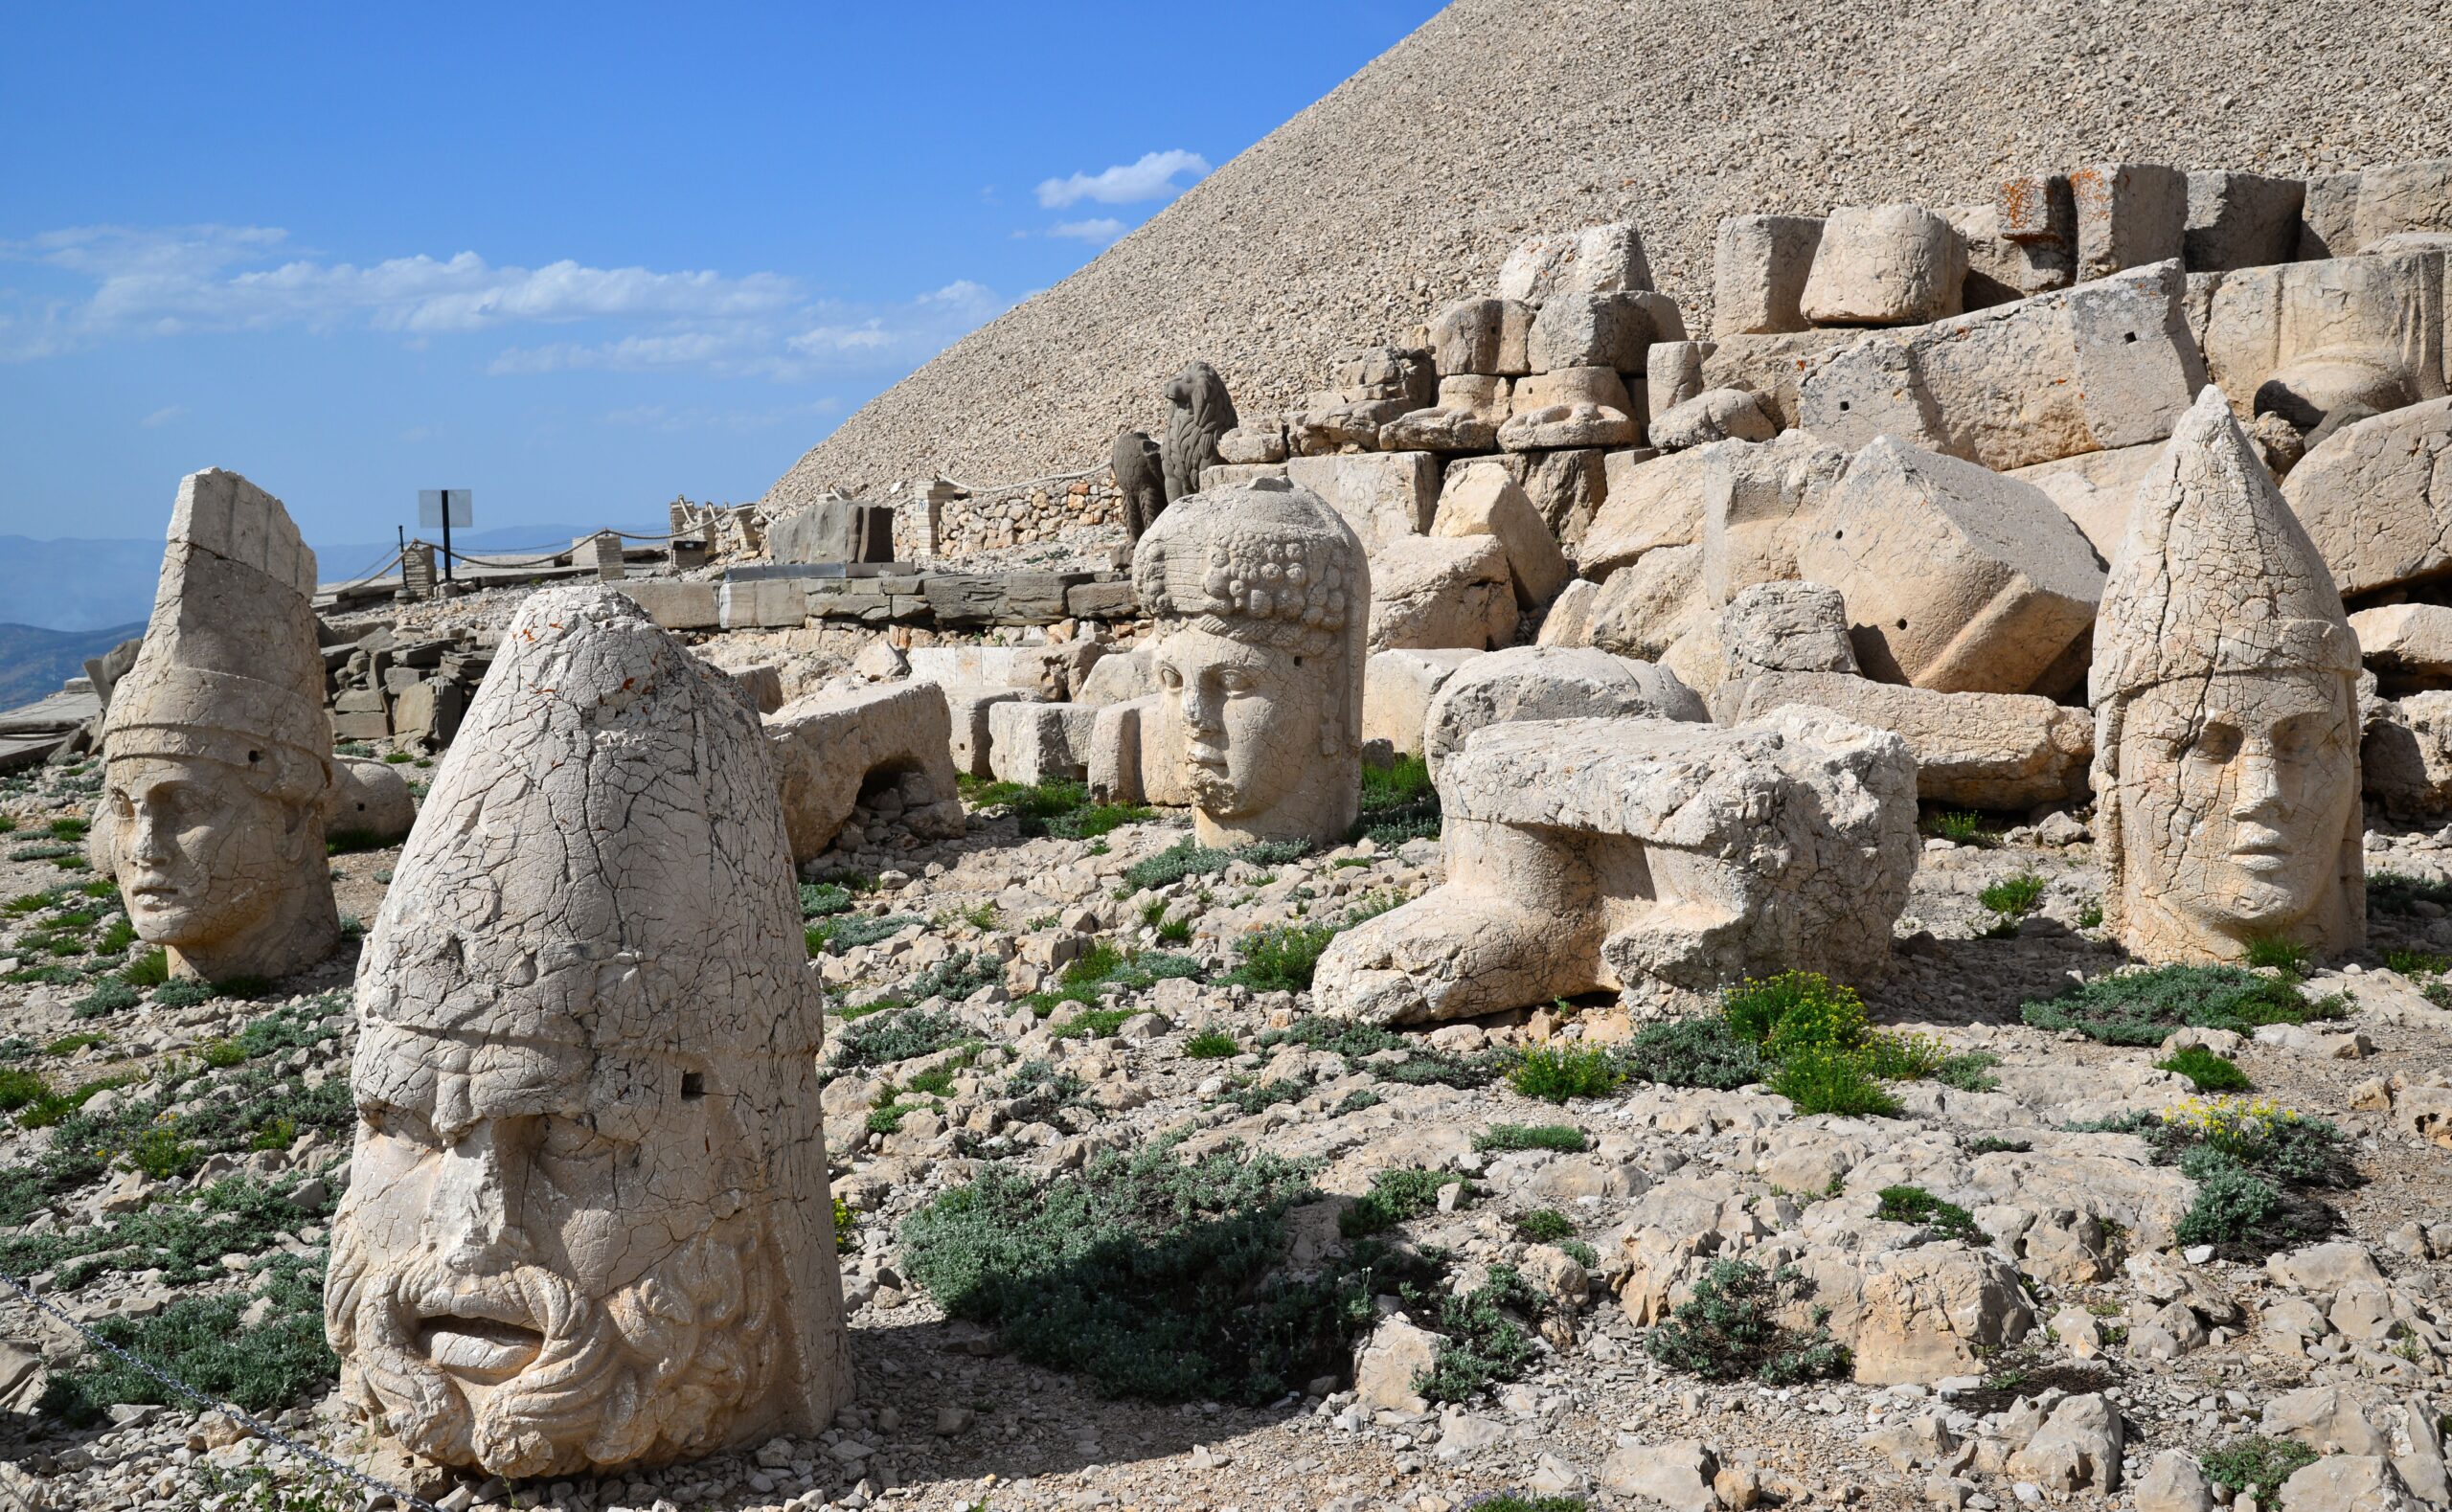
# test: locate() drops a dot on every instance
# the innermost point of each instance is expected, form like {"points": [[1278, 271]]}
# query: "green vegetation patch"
{"points": [[2207, 1070], [2257, 1463], [1398, 804], [1564, 1138], [199, 1341], [1942, 1220], [1729, 1330], [2144, 1007]]}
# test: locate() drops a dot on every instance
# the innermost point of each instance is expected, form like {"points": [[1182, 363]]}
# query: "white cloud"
{"points": [[181, 280], [118, 282], [1152, 178], [1103, 230], [164, 417]]}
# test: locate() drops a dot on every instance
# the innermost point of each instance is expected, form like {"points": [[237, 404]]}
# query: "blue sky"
{"points": [[577, 259]]}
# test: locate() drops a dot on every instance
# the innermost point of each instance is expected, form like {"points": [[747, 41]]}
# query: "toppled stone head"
{"points": [[1262, 597], [2225, 693], [216, 752], [588, 1224]]}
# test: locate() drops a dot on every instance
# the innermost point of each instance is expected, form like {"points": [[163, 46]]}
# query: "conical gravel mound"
{"points": [[1404, 187]]}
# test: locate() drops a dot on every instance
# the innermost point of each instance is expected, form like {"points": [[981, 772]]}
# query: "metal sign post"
{"points": [[446, 507]]}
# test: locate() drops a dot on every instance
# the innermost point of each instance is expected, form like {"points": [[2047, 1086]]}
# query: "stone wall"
{"points": [[1040, 513]]}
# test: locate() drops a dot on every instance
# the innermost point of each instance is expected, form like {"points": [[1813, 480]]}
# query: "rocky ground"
{"points": [[1035, 1010], [1404, 187]]}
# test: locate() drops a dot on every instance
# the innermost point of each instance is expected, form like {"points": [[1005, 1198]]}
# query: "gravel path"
{"points": [[1404, 187]]}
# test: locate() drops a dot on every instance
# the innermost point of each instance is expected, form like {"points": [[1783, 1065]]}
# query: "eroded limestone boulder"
{"points": [[1935, 1310], [1957, 578], [1539, 682], [1785, 627], [1714, 415], [1987, 751], [831, 746], [2303, 339], [370, 799], [1884, 265], [1759, 501], [1396, 692], [1657, 857], [1596, 260], [2376, 497], [1435, 592], [2110, 363], [1485, 502], [1759, 265]]}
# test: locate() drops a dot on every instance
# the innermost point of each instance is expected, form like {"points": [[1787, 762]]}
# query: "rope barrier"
{"points": [[236, 1414], [1027, 483], [363, 578]]}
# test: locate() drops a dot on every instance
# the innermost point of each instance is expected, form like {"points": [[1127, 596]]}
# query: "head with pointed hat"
{"points": [[217, 751], [2226, 709], [1262, 597], [588, 1223]]}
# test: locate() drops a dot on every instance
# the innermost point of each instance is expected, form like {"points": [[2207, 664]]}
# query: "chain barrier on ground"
{"points": [[236, 1414]]}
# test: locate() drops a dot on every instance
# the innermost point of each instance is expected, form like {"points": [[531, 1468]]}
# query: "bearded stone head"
{"points": [[587, 1224], [1262, 596]]}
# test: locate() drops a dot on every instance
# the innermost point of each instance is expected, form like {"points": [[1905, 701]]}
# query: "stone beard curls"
{"points": [[648, 1374]]}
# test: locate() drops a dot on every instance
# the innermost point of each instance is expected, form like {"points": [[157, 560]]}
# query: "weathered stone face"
{"points": [[589, 1224], [218, 752], [1250, 717], [1262, 598], [204, 858], [2224, 782], [2226, 745]]}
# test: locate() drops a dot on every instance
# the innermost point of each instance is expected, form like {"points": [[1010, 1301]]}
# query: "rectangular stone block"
{"points": [[1102, 601], [2001, 269], [1032, 743], [1759, 265], [762, 603], [1226, 475], [2329, 218], [2128, 215], [2404, 196], [1602, 330], [2242, 221], [2104, 364], [1956, 578], [2036, 208], [970, 737], [1770, 367], [1397, 689], [1485, 336], [1487, 501], [1382, 495], [834, 530], [1987, 750], [2300, 337], [1885, 265], [675, 606]]}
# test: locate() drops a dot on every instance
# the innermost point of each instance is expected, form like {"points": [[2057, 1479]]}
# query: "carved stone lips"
{"points": [[483, 1337]]}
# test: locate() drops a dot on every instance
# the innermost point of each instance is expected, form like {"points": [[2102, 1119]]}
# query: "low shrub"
{"points": [[2013, 897], [1797, 1010], [184, 992], [1421, 1065], [1280, 957], [2257, 1463], [1728, 1330], [1691, 1053], [2142, 1008], [842, 931], [109, 995], [150, 969], [1564, 1138], [1481, 1340], [1394, 1197], [1212, 1045], [2207, 1070], [1092, 1023], [1187, 859], [2287, 956], [1961, 826], [825, 900], [1557, 1072], [1400, 802], [1545, 1226], [1836, 1082], [261, 1367], [882, 1039], [1150, 1276], [2417, 962], [1945, 1220]]}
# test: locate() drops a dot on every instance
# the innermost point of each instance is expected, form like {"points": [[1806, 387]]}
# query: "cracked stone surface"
{"points": [[2226, 715], [589, 1224], [217, 751], [1262, 598]]}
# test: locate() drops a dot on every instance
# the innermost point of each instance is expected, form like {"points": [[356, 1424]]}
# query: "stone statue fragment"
{"points": [[1198, 413], [217, 751], [1141, 477], [588, 1224], [1262, 598], [2226, 715]]}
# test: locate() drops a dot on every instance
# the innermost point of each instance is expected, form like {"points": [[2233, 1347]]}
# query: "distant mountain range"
{"points": [[92, 584], [34, 662]]}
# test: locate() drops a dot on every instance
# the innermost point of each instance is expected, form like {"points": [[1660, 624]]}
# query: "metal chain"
{"points": [[236, 1414]]}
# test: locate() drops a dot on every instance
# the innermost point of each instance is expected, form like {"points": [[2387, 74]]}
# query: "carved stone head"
{"points": [[2225, 693], [1262, 597], [588, 1223], [216, 752]]}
